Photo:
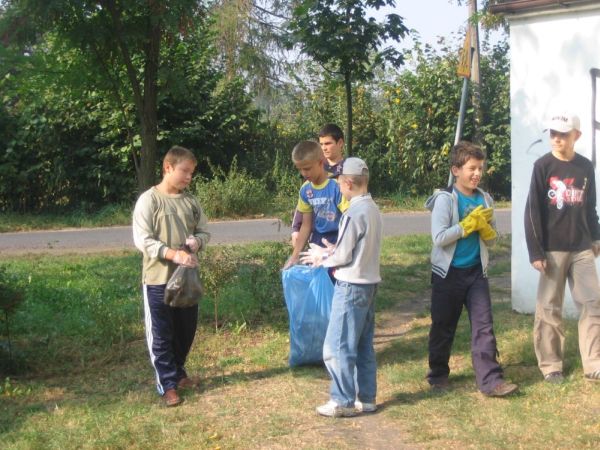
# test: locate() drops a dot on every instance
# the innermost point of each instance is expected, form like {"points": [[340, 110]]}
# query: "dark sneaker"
{"points": [[554, 377], [171, 398], [502, 390], [593, 376]]}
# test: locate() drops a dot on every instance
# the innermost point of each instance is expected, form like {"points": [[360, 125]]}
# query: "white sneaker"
{"points": [[332, 409], [365, 407]]}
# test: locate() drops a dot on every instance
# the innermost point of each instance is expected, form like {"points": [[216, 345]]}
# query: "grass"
{"points": [[81, 378], [107, 216]]}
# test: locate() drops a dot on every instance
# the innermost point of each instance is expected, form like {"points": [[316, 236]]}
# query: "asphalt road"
{"points": [[227, 232]]}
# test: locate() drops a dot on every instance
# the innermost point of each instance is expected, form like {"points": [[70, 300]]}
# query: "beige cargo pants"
{"points": [[579, 268]]}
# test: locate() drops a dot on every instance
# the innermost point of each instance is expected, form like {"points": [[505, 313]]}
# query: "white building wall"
{"points": [[551, 59]]}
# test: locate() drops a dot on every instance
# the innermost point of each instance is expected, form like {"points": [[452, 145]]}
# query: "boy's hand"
{"points": [[192, 243], [315, 255], [292, 260], [487, 214], [185, 259], [487, 232], [539, 265], [596, 248], [478, 220], [328, 245], [470, 223]]}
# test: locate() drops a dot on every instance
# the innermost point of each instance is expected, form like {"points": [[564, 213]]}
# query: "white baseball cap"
{"points": [[563, 122], [355, 166]]}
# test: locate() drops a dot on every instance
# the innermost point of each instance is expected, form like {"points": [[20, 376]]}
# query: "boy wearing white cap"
{"points": [[563, 234], [348, 347]]}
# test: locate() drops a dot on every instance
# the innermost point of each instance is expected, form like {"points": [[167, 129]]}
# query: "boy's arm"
{"points": [[347, 239], [534, 236], [305, 208], [143, 233], [301, 240], [201, 233], [296, 224], [296, 221], [443, 233], [592, 215]]}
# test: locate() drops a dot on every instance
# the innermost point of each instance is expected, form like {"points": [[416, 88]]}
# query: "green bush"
{"points": [[232, 194]]}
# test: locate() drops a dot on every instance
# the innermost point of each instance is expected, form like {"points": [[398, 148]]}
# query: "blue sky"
{"points": [[432, 18]]}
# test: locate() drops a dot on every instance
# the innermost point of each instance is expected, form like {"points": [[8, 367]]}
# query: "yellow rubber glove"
{"points": [[487, 233], [471, 223], [487, 214]]}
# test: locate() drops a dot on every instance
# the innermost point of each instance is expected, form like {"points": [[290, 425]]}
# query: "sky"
{"points": [[431, 19]]}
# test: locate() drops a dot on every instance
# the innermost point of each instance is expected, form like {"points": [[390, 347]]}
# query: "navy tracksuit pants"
{"points": [[169, 335], [470, 288]]}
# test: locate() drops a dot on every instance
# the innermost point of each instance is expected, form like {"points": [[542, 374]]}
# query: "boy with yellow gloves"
{"points": [[462, 227]]}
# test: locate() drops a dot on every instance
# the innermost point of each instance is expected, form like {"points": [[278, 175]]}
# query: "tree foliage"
{"points": [[67, 142], [122, 41], [69, 122], [339, 35]]}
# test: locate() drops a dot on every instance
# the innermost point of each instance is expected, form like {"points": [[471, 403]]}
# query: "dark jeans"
{"points": [[169, 335], [470, 288]]}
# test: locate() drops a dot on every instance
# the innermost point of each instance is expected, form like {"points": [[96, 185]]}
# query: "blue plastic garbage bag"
{"points": [[308, 294]]}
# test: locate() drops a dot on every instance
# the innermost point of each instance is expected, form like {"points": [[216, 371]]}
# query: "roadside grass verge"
{"points": [[81, 376], [107, 216]]}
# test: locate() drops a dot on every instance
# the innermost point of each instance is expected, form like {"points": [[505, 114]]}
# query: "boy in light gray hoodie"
{"points": [[348, 350], [462, 226]]}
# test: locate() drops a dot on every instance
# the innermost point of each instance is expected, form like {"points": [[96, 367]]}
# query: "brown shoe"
{"points": [[171, 398], [502, 390], [188, 383]]}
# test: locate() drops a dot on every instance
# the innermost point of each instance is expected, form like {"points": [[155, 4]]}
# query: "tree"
{"points": [[122, 41], [340, 36]]}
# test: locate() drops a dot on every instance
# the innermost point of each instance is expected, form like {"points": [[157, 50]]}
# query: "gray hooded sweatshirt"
{"points": [[445, 230]]}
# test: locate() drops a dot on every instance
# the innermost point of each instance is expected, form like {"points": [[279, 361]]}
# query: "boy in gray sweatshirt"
{"points": [[462, 226], [348, 343]]}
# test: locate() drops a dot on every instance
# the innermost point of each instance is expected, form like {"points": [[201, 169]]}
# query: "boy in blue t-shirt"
{"points": [[320, 200], [462, 227], [331, 139]]}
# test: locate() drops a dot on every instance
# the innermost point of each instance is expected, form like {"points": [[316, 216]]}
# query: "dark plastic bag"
{"points": [[184, 288], [308, 295]]}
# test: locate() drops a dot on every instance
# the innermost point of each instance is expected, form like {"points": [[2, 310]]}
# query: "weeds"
{"points": [[232, 194]]}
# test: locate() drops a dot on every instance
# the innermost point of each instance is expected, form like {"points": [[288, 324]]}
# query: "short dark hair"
{"points": [[331, 129], [307, 151], [463, 151]]}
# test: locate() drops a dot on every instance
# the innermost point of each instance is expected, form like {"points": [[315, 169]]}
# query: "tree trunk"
{"points": [[348, 86], [148, 115], [146, 100]]}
